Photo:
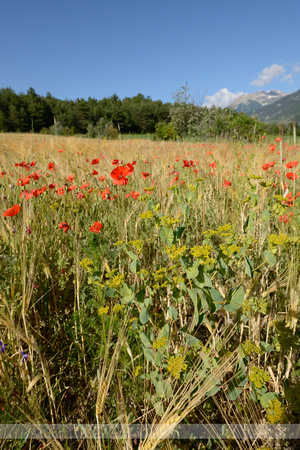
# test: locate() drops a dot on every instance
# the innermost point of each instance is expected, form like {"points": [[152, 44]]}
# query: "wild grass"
{"points": [[182, 308]]}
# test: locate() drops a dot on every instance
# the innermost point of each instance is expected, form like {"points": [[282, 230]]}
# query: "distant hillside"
{"points": [[250, 103], [270, 106], [283, 110]]}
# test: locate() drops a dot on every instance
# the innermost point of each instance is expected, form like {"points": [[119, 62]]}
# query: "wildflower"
{"points": [[119, 175], [95, 161], [146, 175], [101, 178], [72, 187], [60, 150], [80, 195], [176, 365], [2, 347], [213, 164], [52, 185], [70, 178], [94, 172], [226, 183], [278, 139], [63, 226], [29, 230], [118, 308], [133, 194], [23, 181], [85, 185], [25, 356], [51, 166], [276, 412], [160, 343], [96, 227], [13, 211], [292, 176], [292, 164], [102, 311], [115, 162], [258, 377]]}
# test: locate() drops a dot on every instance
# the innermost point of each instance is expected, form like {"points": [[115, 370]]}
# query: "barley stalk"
{"points": [[161, 433], [102, 392]]}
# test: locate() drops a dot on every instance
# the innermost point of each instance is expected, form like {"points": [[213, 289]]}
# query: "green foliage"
{"points": [[165, 131]]}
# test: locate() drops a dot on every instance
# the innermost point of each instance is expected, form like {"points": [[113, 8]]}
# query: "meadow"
{"points": [[147, 282]]}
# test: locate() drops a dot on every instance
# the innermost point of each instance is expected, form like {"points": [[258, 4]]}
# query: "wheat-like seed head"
{"points": [[164, 429], [102, 392]]}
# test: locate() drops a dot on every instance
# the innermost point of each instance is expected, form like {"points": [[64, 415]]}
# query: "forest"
{"points": [[112, 117]]}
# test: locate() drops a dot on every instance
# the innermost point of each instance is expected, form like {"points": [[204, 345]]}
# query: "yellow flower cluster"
{"points": [[87, 264], [276, 412], [102, 311], [160, 343], [249, 347], [229, 250], [137, 370], [175, 253], [202, 253], [114, 280], [258, 377], [281, 239], [168, 221], [223, 230], [118, 308], [138, 244], [146, 215], [176, 365]]}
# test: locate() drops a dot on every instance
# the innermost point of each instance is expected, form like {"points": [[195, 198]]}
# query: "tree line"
{"points": [[110, 117]]}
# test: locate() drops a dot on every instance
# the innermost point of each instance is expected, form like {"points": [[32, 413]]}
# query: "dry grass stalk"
{"points": [[102, 392]]}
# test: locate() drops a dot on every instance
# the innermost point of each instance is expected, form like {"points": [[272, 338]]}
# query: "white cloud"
{"points": [[268, 74], [296, 68], [288, 78], [221, 98]]}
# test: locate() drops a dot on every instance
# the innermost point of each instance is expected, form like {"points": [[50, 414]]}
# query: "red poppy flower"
{"points": [[70, 178], [32, 164], [292, 176], [23, 181], [130, 168], [95, 161], [133, 194], [278, 139], [146, 175], [60, 151], [115, 162], [119, 175], [101, 178], [13, 211], [85, 185], [213, 165], [268, 165], [35, 176], [51, 166], [292, 164], [96, 227], [60, 191], [63, 226], [277, 172], [80, 195], [94, 172], [52, 185], [72, 187], [226, 183]]}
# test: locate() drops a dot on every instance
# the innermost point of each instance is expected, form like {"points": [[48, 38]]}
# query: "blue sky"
{"points": [[94, 48]]}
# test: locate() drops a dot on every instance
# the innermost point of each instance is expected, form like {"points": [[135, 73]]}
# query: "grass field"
{"points": [[148, 282]]}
